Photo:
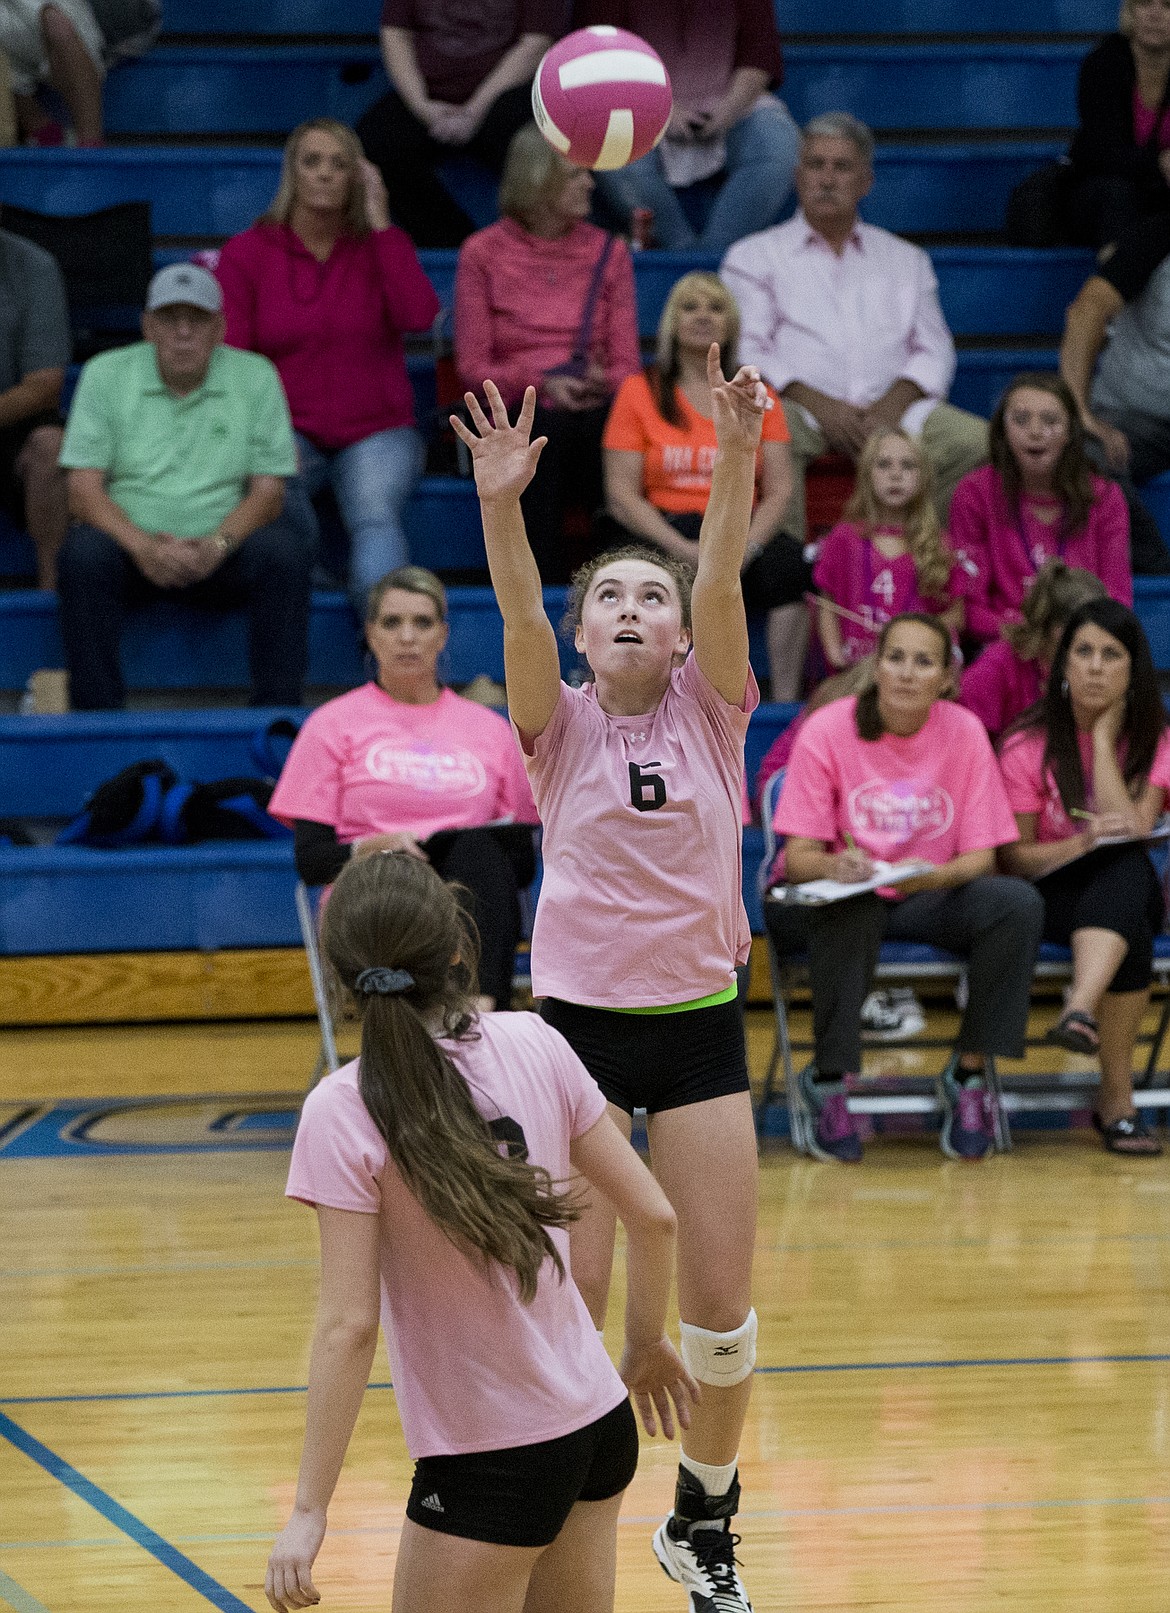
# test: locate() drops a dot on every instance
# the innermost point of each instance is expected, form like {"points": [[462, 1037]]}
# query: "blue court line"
{"points": [[777, 1371], [18, 1598], [113, 1512]]}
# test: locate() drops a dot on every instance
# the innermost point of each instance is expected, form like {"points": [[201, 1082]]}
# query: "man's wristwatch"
{"points": [[223, 545]]}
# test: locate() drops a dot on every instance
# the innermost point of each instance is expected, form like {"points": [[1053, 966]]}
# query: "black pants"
{"points": [[1115, 889], [401, 148], [1101, 206], [269, 574], [779, 575], [993, 922], [568, 476], [476, 859]]}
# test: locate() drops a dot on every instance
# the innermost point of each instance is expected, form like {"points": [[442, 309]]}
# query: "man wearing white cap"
{"points": [[177, 450]]}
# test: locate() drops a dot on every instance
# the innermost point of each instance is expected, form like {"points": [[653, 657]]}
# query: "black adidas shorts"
{"points": [[522, 1496], [656, 1061]]}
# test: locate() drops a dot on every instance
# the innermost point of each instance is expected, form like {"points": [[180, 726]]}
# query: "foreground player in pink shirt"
{"points": [[436, 1164], [638, 779], [900, 773]]}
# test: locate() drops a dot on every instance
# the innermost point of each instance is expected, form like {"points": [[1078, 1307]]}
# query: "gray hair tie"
{"points": [[383, 982]]}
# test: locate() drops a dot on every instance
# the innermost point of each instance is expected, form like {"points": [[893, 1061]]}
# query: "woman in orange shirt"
{"points": [[659, 451]]}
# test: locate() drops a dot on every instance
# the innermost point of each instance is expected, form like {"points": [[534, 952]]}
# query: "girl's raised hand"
{"points": [[739, 405], [502, 457]]}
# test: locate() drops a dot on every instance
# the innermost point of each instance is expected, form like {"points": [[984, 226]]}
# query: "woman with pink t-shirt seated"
{"points": [[403, 764], [1009, 676], [543, 298], [887, 557], [1037, 500], [900, 773], [436, 1163], [1089, 763]]}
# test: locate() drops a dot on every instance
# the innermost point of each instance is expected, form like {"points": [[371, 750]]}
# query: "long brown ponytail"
{"points": [[394, 913]]}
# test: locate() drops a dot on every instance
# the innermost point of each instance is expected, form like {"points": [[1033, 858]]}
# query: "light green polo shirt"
{"points": [[173, 464]]}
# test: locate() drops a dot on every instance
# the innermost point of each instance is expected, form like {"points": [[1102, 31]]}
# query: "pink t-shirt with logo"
{"points": [[367, 764], [853, 573], [641, 903], [474, 1368], [1031, 787], [932, 795]]}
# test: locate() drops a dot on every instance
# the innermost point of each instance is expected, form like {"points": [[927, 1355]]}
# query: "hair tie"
{"points": [[383, 982]]}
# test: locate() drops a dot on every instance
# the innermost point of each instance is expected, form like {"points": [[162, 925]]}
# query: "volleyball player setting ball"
{"points": [[640, 924], [437, 1163]]}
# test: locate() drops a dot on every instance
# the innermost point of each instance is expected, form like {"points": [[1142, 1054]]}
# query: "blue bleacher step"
{"points": [[199, 90], [358, 18], [219, 190]]}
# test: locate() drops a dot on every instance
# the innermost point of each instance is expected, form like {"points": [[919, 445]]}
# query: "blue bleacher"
{"points": [[218, 190], [357, 19], [235, 89]]}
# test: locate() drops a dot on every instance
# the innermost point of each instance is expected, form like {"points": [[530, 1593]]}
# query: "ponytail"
{"points": [[394, 913]]}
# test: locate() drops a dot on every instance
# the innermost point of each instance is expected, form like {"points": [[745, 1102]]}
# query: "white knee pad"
{"points": [[720, 1359]]}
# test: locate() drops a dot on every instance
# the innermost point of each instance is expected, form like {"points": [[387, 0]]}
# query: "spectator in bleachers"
{"points": [[888, 556], [545, 299], [659, 452], [1010, 675], [723, 61], [900, 773], [1091, 764], [1120, 154], [1115, 357], [1037, 500], [177, 450], [460, 81], [324, 286], [404, 764], [36, 345], [59, 43], [843, 319]]}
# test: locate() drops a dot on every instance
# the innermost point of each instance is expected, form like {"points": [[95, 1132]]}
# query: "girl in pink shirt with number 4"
{"points": [[436, 1163], [1037, 500], [887, 557], [640, 925]]}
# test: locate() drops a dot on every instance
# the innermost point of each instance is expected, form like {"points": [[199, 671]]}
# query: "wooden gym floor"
{"points": [[963, 1401]]}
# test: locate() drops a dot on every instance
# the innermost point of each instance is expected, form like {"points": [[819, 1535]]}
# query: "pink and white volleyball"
{"points": [[601, 97]]}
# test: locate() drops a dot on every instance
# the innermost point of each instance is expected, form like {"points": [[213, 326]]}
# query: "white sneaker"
{"points": [[891, 1016], [703, 1563]]}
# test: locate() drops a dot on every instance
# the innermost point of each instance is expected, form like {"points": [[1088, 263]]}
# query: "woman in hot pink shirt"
{"points": [[1091, 762], [435, 1164], [324, 286], [1009, 675], [523, 289], [888, 556], [1038, 499], [900, 773], [402, 764], [640, 927]]}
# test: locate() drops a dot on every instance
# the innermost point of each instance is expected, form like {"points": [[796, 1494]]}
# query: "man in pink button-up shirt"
{"points": [[843, 319]]}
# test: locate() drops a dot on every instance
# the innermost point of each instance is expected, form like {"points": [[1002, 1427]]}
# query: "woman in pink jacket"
{"points": [[545, 299], [1037, 500], [324, 286]]}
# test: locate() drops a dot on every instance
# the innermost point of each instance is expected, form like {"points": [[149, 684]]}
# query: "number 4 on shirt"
{"points": [[642, 782]]}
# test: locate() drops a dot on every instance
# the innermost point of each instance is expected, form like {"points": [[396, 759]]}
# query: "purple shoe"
{"points": [[967, 1129], [834, 1135]]}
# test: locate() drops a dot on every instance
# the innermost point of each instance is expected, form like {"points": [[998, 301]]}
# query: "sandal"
{"points": [[1128, 1135], [1075, 1032]]}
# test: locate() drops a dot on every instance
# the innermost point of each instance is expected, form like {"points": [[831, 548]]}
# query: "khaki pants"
{"points": [[953, 441], [7, 108]]}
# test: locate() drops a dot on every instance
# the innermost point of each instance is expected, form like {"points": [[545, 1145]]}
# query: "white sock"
{"points": [[715, 1480]]}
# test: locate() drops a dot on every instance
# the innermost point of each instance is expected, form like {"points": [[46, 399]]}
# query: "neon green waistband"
{"points": [[725, 996]]}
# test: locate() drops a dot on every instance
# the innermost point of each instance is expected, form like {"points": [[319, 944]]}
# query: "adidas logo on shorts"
{"points": [[431, 1502]]}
